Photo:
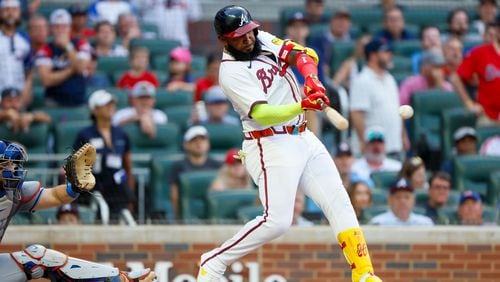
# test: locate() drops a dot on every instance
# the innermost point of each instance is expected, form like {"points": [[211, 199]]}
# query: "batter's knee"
{"points": [[278, 228]]}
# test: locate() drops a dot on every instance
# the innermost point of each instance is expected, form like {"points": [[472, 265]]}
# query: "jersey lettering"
{"points": [[266, 77]]}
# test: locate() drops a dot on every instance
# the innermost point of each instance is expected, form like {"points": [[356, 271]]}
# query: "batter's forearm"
{"points": [[267, 115]]}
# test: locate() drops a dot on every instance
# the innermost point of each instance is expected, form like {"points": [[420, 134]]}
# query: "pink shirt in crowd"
{"points": [[415, 83]]}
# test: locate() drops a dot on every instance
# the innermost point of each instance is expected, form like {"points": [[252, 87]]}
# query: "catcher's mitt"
{"points": [[78, 168]]}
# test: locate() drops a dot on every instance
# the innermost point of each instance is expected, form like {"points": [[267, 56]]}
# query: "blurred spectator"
{"points": [[94, 79], [374, 156], [394, 26], [458, 26], [68, 214], [139, 62], [108, 10], [179, 70], [128, 28], [14, 51], [315, 12], [196, 146], [352, 66], [490, 33], [298, 209], [340, 26], [413, 171], [232, 174], [62, 62], [401, 202], [374, 99], [430, 39], [29, 8], [105, 41], [113, 167], [360, 195], [439, 193], [481, 64], [490, 146], [12, 113], [431, 77], [142, 110], [172, 17], [217, 108], [470, 209], [343, 161], [453, 55], [487, 11], [38, 32], [386, 5], [211, 77], [465, 143], [79, 28]]}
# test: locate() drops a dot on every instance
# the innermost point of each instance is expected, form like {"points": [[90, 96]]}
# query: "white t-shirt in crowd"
{"points": [[159, 117], [363, 169]]}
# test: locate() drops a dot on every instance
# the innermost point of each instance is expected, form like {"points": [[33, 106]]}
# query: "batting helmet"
{"points": [[233, 21]]}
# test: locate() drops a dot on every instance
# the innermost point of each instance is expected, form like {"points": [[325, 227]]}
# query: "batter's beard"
{"points": [[11, 23], [242, 56]]}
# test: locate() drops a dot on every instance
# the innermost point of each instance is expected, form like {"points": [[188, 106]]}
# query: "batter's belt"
{"points": [[292, 130]]}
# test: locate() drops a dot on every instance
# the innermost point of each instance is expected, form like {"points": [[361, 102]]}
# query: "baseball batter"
{"points": [[280, 153], [37, 261]]}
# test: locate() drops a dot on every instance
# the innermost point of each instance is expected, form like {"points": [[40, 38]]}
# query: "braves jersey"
{"points": [[264, 79], [10, 203], [485, 62], [14, 60]]}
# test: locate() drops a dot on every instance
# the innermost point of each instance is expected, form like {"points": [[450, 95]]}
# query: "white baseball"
{"points": [[405, 111]]}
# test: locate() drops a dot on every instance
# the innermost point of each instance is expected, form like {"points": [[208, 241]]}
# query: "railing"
{"points": [[50, 176]]}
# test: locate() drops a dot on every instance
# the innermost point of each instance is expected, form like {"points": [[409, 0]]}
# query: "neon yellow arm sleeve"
{"points": [[268, 115]]}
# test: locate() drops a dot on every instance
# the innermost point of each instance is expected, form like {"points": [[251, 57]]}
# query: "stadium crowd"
{"points": [[121, 75]]}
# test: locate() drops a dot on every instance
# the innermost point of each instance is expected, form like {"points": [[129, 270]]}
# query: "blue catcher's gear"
{"points": [[12, 176]]}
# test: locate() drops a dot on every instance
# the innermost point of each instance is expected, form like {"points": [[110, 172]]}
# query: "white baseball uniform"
{"points": [[280, 164]]}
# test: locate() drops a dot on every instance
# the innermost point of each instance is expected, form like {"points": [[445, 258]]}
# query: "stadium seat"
{"points": [[35, 140], [374, 210], [451, 120], [484, 132], [426, 15], [428, 105], [223, 205], [492, 195], [111, 65], [384, 179], [406, 48], [376, 28], [65, 134], [193, 191], [248, 213], [38, 97], [48, 216], [421, 197], [198, 66], [160, 62], [401, 76], [365, 16], [165, 141], [473, 173], [156, 46], [340, 52], [401, 64], [179, 115], [161, 166], [149, 30], [224, 137], [66, 114], [166, 99], [379, 197]]}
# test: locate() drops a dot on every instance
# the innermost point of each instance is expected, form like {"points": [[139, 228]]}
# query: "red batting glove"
{"points": [[311, 102], [312, 85]]}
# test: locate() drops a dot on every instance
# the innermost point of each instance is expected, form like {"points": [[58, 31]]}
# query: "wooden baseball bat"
{"points": [[334, 117]]}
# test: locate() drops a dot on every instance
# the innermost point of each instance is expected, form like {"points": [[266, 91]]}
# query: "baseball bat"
{"points": [[334, 117]]}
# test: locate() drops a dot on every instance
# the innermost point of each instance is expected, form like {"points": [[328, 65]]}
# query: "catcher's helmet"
{"points": [[233, 21], [15, 153]]}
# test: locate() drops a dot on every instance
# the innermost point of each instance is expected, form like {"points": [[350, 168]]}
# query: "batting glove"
{"points": [[313, 85], [311, 102]]}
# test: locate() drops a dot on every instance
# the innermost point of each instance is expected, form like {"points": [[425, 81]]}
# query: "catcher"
{"points": [[36, 261]]}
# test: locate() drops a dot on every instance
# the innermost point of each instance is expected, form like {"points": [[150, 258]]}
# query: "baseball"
{"points": [[406, 111]]}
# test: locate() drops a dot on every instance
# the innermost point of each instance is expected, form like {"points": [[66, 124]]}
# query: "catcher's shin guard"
{"points": [[353, 244]]}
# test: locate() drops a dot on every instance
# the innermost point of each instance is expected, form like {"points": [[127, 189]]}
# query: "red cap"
{"points": [[230, 157]]}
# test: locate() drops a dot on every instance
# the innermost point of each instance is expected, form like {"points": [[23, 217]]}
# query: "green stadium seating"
{"points": [[49, 216], [426, 122], [198, 66], [248, 213], [121, 95], [406, 48], [111, 65], [166, 99], [224, 137], [161, 166], [179, 115], [401, 76], [365, 16], [285, 14], [426, 15], [401, 64], [340, 52], [377, 28], [374, 210], [193, 191], [473, 173], [384, 179], [160, 62], [379, 197], [65, 134], [156, 46], [451, 120], [38, 97], [492, 195], [484, 132], [65, 114], [35, 140], [149, 30], [223, 205], [165, 141]]}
